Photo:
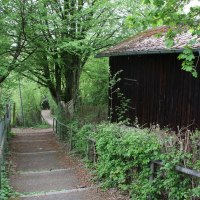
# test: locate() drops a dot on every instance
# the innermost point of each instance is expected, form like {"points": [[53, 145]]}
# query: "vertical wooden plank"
{"points": [[166, 94]]}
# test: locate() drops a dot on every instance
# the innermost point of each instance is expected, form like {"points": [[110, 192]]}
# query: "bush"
{"points": [[94, 82], [80, 139], [31, 98], [124, 157], [6, 190]]}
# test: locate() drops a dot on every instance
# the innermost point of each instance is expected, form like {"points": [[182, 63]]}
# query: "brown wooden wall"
{"points": [[160, 92]]}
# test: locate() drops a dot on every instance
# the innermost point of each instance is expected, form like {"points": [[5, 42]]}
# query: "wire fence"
{"points": [[4, 129], [66, 133], [63, 133]]}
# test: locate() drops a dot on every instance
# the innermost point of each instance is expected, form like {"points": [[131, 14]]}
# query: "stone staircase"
{"points": [[44, 172]]}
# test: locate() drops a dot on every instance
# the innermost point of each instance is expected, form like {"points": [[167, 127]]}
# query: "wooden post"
{"points": [[94, 152], [56, 128], [21, 102], [14, 114], [152, 168], [70, 139], [59, 132], [87, 153], [7, 111], [53, 124], [0, 170]]}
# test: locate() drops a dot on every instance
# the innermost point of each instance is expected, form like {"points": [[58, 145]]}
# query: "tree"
{"points": [[53, 39], [65, 33], [178, 17], [13, 49], [95, 82]]}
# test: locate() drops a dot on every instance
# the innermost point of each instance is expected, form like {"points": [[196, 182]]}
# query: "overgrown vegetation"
{"points": [[124, 157], [6, 190], [94, 82], [54, 39], [51, 43], [28, 106], [179, 16]]}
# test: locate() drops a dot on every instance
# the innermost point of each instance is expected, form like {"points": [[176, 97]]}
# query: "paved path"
{"points": [[44, 172], [46, 115]]}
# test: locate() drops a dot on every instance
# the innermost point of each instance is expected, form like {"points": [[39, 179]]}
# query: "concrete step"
{"points": [[29, 131], [34, 137], [45, 181], [44, 172], [34, 146], [39, 161], [80, 194]]}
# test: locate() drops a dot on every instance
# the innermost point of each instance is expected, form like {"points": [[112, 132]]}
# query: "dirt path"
{"points": [[43, 171]]}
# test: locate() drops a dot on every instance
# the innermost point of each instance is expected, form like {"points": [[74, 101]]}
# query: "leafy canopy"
{"points": [[177, 15]]}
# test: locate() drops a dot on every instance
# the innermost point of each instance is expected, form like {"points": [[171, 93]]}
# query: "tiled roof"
{"points": [[152, 41]]}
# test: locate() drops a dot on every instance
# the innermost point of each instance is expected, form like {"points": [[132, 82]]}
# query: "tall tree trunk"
{"points": [[58, 79], [47, 75], [69, 80]]}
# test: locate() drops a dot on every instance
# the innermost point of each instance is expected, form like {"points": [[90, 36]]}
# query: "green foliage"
{"points": [[6, 91], [94, 82], [54, 39], [122, 108], [6, 190], [31, 102], [188, 61], [43, 125], [175, 14], [80, 138], [125, 154], [93, 114]]}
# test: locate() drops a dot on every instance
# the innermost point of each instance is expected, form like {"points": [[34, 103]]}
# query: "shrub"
{"points": [[31, 97], [124, 157], [6, 190]]}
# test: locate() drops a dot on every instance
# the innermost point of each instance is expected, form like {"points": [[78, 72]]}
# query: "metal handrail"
{"points": [[181, 169], [55, 119], [178, 168], [61, 133], [4, 129]]}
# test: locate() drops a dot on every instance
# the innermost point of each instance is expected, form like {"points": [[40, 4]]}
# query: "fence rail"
{"points": [[63, 132], [93, 156], [183, 170], [4, 129]]}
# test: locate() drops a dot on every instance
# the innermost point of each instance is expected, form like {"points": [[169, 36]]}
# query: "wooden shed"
{"points": [[151, 77]]}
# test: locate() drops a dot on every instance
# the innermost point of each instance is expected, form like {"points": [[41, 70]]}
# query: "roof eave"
{"points": [[125, 53]]}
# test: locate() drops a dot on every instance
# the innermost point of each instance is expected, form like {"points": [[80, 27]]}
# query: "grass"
{"points": [[42, 126]]}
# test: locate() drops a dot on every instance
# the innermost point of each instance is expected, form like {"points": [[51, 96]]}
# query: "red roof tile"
{"points": [[152, 41]]}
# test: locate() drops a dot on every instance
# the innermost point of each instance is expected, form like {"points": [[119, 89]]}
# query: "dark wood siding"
{"points": [[160, 92]]}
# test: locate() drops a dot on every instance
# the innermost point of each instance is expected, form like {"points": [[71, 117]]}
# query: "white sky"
{"points": [[192, 4]]}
